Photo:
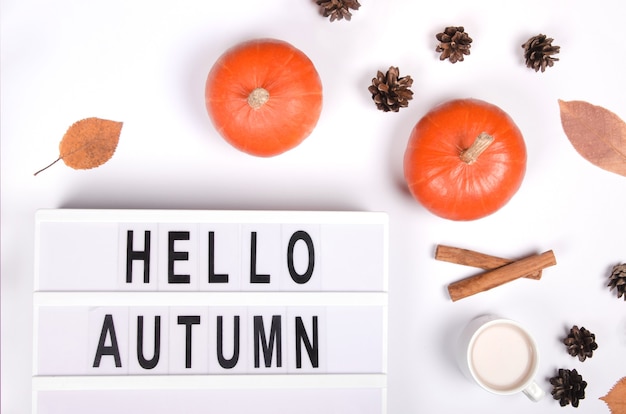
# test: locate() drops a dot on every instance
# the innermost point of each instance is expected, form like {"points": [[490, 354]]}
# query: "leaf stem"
{"points": [[48, 166]]}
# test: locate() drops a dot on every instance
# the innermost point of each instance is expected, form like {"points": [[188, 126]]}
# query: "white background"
{"points": [[145, 63]]}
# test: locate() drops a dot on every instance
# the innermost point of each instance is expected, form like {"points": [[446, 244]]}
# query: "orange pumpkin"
{"points": [[465, 159], [264, 96]]}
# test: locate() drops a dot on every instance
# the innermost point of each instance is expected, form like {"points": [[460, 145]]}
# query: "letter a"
{"points": [[113, 349]]}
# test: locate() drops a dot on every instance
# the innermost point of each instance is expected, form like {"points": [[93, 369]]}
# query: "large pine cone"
{"points": [[538, 52], [580, 343], [391, 92], [337, 9], [568, 387], [454, 43], [617, 280]]}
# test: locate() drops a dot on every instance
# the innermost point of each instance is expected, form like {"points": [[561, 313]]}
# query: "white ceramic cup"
{"points": [[500, 356]]}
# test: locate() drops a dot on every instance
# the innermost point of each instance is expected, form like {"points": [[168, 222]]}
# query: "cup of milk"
{"points": [[500, 356]]}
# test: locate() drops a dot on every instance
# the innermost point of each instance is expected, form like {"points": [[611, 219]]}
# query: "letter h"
{"points": [[132, 255]]}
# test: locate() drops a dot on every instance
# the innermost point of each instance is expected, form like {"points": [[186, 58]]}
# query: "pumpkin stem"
{"points": [[480, 144], [258, 97]]}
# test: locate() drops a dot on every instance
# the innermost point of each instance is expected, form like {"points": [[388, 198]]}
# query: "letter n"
{"points": [[311, 348]]}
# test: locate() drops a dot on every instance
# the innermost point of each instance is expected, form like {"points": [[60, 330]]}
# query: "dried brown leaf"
{"points": [[596, 133], [88, 143], [616, 398]]}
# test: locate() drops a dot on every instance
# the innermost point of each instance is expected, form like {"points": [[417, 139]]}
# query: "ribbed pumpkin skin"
{"points": [[295, 96], [446, 185]]}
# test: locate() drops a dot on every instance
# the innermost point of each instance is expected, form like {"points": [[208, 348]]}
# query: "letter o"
{"points": [[306, 238]]}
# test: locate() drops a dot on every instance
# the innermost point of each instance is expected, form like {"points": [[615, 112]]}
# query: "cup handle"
{"points": [[534, 392]]}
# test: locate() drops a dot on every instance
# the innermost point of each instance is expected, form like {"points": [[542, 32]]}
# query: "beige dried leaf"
{"points": [[596, 133]]}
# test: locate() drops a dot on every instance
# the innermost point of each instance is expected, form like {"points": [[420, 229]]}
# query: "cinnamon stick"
{"points": [[475, 259], [496, 277]]}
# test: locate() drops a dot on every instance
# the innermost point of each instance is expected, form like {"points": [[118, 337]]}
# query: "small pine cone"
{"points": [[453, 44], [568, 387], [538, 51], [391, 92], [617, 280], [580, 343], [337, 9]]}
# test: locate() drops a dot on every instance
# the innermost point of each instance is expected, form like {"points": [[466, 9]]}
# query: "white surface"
{"points": [[145, 63]]}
